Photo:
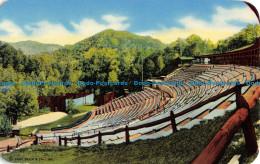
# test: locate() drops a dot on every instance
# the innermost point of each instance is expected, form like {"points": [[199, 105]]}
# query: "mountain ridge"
{"points": [[30, 47], [120, 40]]}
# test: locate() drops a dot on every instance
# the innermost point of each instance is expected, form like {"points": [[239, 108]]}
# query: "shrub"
{"points": [[74, 111], [70, 106], [43, 110], [5, 125]]}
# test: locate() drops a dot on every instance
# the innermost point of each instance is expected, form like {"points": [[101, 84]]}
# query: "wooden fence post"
{"points": [[173, 123], [99, 138], [247, 126], [8, 148], [36, 140], [250, 137], [59, 140], [79, 140], [127, 140], [41, 137], [213, 152], [65, 141], [238, 91], [240, 101]]}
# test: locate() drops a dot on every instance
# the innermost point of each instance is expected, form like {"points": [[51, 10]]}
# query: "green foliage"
{"points": [[120, 40], [113, 76], [70, 106], [74, 111], [44, 110], [245, 37], [196, 46], [5, 125], [20, 101], [9, 56], [107, 56], [85, 108], [159, 65], [149, 68]]}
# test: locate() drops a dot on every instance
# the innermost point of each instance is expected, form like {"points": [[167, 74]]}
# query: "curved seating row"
{"points": [[128, 109]]}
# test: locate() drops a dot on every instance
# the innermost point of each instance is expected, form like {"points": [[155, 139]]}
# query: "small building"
{"points": [[185, 60], [206, 61]]}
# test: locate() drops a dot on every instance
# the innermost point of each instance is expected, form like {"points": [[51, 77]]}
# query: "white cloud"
{"points": [[88, 26], [91, 26], [218, 28], [45, 28], [116, 22], [12, 29], [48, 32], [147, 33], [223, 15]]}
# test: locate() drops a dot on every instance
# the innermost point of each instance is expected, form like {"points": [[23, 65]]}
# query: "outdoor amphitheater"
{"points": [[212, 86], [139, 110], [187, 97], [201, 92]]}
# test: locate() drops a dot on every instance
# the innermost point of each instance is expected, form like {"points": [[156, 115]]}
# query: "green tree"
{"points": [[113, 76], [20, 101], [5, 125], [159, 65], [70, 106], [149, 68]]}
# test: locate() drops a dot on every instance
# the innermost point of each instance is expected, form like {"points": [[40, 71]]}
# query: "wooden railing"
{"points": [[126, 130], [241, 117], [247, 57], [216, 148], [9, 148]]}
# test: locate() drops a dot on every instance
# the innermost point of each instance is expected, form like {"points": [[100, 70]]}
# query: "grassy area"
{"points": [[64, 121], [181, 147], [85, 108]]}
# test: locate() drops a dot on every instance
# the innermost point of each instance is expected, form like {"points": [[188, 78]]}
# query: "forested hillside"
{"points": [[245, 37], [108, 56], [35, 48], [163, 62], [120, 40]]}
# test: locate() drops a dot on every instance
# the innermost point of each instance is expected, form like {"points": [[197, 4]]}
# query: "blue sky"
{"points": [[69, 21]]}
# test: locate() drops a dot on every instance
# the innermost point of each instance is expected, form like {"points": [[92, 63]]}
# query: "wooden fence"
{"points": [[59, 102], [216, 148], [248, 56], [126, 130], [213, 152], [9, 148]]}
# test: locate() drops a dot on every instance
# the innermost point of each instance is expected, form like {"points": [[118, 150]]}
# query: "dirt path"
{"points": [[42, 119], [11, 142]]}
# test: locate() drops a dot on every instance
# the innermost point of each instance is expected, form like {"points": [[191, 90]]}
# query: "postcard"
{"points": [[133, 81]]}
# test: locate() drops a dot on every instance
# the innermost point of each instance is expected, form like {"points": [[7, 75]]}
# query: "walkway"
{"points": [[42, 119]]}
